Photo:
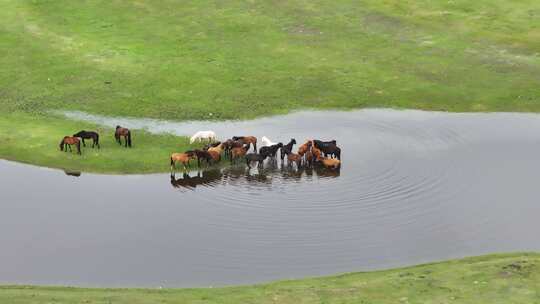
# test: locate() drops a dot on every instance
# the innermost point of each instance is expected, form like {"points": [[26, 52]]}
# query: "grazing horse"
{"points": [[255, 157], [203, 135], [88, 135], [286, 149], [126, 133], [328, 148], [238, 152], [246, 140], [266, 142], [271, 150], [68, 141], [184, 158], [229, 144]]}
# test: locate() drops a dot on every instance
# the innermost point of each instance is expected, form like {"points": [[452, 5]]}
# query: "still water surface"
{"points": [[414, 187]]}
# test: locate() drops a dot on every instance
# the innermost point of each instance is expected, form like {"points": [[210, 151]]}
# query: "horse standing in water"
{"points": [[126, 133], [88, 135], [68, 141], [247, 140]]}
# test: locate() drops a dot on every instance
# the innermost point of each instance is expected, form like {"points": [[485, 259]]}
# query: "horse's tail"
{"points": [[97, 139], [62, 144], [79, 147], [129, 138], [172, 162]]}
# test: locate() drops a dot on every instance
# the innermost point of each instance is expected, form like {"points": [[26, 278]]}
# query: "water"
{"points": [[414, 187]]}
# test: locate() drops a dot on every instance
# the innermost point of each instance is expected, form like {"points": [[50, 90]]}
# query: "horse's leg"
{"points": [[83, 143], [125, 139], [255, 146], [69, 147]]}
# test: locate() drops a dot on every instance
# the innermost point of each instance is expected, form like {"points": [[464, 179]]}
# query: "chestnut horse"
{"points": [[247, 140], [238, 152], [126, 133], [68, 141], [184, 158]]}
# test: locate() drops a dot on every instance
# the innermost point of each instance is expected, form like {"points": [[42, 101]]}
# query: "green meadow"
{"points": [[511, 278]]}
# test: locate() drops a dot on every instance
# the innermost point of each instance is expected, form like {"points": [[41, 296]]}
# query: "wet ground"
{"points": [[414, 187]]}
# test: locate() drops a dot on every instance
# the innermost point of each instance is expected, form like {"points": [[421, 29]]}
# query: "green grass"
{"points": [[227, 59], [240, 59], [35, 140], [511, 278]]}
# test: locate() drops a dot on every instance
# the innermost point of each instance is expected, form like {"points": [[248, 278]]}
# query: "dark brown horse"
{"points": [[88, 135], [247, 140], [68, 141], [126, 133], [230, 144]]}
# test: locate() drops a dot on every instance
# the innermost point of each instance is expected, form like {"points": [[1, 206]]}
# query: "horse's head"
{"points": [[280, 145], [334, 141], [118, 127], [293, 141]]}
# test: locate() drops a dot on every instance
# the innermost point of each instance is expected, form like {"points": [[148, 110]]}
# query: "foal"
{"points": [[256, 157], [184, 158], [271, 150], [286, 149], [68, 141]]}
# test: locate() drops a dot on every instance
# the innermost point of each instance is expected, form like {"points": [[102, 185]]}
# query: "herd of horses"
{"points": [[311, 152], [77, 138]]}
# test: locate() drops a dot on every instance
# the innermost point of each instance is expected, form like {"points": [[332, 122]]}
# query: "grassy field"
{"points": [[239, 59], [493, 279], [204, 59]]}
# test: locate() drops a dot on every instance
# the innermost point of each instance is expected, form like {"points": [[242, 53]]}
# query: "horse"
{"points": [[184, 158], [256, 157], [88, 135], [286, 149], [204, 155], [126, 133], [271, 150], [304, 147], [211, 145], [229, 144], [239, 152], [203, 135], [266, 142], [246, 140], [68, 141], [329, 163], [294, 158], [218, 149], [328, 148]]}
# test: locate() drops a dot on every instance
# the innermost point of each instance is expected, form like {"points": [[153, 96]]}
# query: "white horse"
{"points": [[266, 142], [203, 135]]}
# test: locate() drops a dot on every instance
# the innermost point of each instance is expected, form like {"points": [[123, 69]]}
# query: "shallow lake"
{"points": [[414, 187]]}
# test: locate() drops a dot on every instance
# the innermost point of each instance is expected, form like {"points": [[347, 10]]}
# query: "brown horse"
{"points": [[294, 158], [329, 163], [68, 141], [184, 158], [218, 149], [238, 152], [229, 144], [216, 156], [247, 140], [303, 149], [126, 133]]}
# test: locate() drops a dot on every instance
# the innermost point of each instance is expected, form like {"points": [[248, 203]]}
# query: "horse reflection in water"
{"points": [[241, 175], [207, 177]]}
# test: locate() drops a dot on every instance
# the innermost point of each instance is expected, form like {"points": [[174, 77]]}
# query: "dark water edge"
{"points": [[414, 187]]}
